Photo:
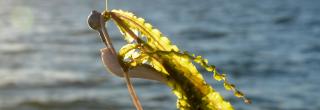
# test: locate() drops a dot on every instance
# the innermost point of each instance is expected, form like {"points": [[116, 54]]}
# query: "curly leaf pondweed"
{"points": [[155, 57]]}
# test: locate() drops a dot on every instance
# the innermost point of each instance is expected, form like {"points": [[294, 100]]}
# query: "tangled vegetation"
{"points": [[147, 47]]}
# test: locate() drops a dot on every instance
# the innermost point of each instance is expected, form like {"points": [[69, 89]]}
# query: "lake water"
{"points": [[49, 59]]}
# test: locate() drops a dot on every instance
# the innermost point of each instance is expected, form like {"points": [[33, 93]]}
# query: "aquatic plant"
{"points": [[160, 60]]}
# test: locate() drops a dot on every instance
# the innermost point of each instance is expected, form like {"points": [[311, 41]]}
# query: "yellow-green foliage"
{"points": [[147, 46]]}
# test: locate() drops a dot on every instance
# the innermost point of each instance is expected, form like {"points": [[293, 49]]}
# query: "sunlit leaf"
{"points": [[177, 67]]}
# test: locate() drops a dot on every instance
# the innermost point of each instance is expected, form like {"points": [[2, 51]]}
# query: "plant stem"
{"points": [[133, 94], [131, 90]]}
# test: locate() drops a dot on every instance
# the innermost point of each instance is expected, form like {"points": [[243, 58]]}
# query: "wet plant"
{"points": [[149, 54]]}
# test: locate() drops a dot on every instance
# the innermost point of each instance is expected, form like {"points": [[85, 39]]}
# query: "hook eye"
{"points": [[94, 20]]}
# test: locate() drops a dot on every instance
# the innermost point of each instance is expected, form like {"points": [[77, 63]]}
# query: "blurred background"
{"points": [[50, 60]]}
